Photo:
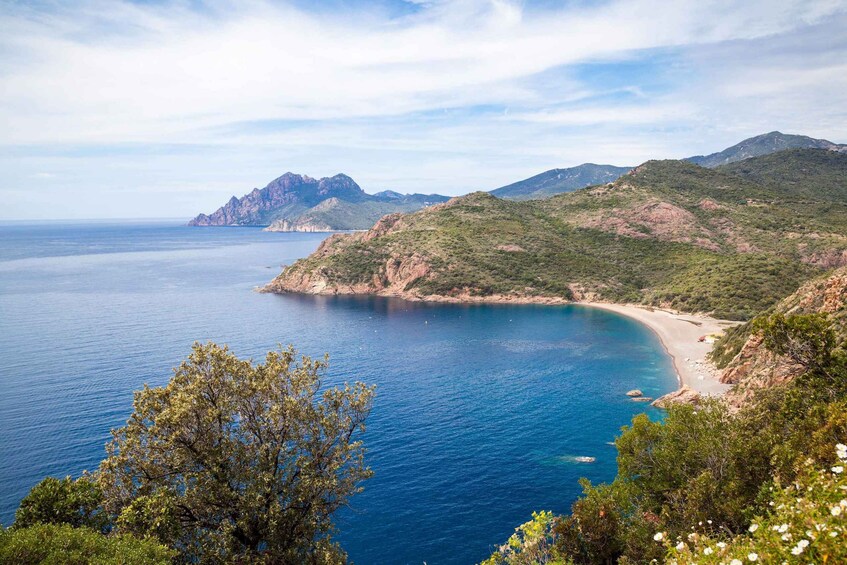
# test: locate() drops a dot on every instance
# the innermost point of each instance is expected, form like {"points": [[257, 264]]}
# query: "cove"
{"points": [[480, 409]]}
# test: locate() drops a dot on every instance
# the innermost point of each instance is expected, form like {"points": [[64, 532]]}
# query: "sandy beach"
{"points": [[679, 334]]}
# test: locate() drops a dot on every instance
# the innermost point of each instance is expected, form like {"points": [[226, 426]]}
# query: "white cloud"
{"points": [[454, 96], [160, 73]]}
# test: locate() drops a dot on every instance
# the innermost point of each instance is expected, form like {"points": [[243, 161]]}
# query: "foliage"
{"points": [[605, 524], [806, 523], [701, 463], [55, 544], [235, 461], [808, 340], [531, 543], [63, 501]]}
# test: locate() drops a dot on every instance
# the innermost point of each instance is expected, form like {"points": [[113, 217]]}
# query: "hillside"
{"points": [[669, 234], [300, 203], [764, 144], [556, 181]]}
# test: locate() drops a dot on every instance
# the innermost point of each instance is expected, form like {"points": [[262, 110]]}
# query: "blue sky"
{"points": [[167, 108]]}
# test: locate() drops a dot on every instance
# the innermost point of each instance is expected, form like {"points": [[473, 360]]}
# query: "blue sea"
{"points": [[480, 411]]}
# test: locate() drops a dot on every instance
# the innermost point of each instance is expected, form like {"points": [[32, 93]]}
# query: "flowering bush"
{"points": [[807, 524]]}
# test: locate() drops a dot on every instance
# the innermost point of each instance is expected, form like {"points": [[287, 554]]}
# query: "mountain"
{"points": [[763, 145], [556, 181], [300, 203], [669, 234]]}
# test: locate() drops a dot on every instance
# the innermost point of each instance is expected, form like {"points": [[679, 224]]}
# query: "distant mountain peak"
{"points": [[763, 144], [556, 181], [300, 202]]}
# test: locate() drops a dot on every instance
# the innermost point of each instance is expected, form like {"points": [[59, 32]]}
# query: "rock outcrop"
{"points": [[684, 395], [755, 367]]}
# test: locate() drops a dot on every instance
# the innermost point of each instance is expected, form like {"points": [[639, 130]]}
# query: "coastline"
{"points": [[679, 334]]}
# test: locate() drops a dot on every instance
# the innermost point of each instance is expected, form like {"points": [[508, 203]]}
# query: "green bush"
{"points": [[62, 544], [63, 501]]}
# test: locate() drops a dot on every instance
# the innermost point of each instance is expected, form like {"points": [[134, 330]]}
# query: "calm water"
{"points": [[479, 409]]}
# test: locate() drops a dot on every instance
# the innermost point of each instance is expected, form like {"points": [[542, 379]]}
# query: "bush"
{"points": [[62, 544], [63, 501], [807, 523]]}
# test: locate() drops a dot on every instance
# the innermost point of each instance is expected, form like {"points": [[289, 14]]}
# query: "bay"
{"points": [[481, 410]]}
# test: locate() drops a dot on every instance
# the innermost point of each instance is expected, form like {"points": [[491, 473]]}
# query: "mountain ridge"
{"points": [[557, 181], [764, 144]]}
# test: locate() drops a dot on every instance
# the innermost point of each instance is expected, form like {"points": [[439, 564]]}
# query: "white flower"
{"points": [[753, 527], [843, 503], [735, 562], [782, 529], [803, 543], [707, 551], [659, 536], [835, 511], [797, 550], [786, 537], [721, 544], [838, 469], [680, 546], [753, 556]]}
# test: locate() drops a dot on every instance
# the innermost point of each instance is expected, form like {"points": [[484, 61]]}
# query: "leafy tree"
{"points": [[63, 544], [234, 461], [63, 501], [807, 339]]}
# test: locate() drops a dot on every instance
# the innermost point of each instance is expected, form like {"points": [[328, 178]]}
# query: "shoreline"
{"points": [[679, 334]]}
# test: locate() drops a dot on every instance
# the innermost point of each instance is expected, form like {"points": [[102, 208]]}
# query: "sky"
{"points": [[158, 108]]}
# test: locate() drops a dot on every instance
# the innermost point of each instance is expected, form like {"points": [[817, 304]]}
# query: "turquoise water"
{"points": [[480, 410]]}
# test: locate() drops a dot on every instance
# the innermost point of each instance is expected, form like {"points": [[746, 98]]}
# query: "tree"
{"points": [[63, 501], [234, 461]]}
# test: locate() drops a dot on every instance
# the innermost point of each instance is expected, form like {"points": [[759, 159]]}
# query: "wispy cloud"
{"points": [[433, 96]]}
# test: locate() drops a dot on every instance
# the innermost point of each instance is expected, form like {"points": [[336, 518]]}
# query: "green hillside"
{"points": [[669, 234]]}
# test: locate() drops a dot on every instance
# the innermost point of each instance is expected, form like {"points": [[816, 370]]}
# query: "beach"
{"points": [[680, 334]]}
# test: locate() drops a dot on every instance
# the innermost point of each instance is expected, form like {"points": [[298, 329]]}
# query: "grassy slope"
{"points": [[604, 241]]}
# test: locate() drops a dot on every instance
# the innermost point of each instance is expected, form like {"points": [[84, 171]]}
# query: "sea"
{"points": [[483, 413]]}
